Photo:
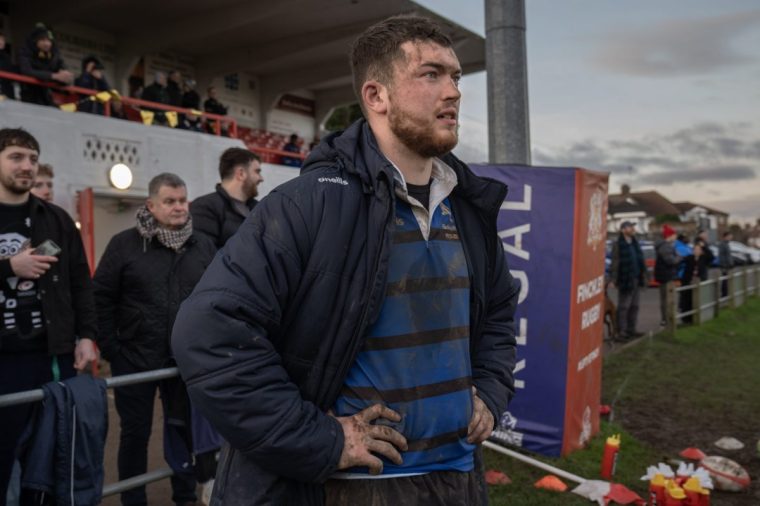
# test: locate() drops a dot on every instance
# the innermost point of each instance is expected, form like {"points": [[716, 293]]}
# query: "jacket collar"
{"points": [[227, 198], [357, 151]]}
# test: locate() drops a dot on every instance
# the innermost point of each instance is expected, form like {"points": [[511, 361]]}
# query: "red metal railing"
{"points": [[216, 120]]}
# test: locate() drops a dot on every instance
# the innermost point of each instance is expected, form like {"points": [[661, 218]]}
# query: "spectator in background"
{"points": [[40, 58], [49, 317], [292, 146], [157, 92], [706, 257], [628, 273], [191, 100], [686, 268], [218, 215], [725, 261], [143, 276], [174, 88], [92, 78], [43, 183], [117, 109], [6, 65], [666, 267], [213, 106]]}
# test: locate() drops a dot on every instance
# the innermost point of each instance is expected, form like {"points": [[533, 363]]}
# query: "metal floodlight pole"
{"points": [[507, 77]]}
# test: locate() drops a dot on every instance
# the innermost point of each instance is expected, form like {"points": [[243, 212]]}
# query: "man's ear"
{"points": [[375, 97], [149, 204]]}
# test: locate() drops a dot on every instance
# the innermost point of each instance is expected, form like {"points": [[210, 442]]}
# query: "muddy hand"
{"points": [[481, 423], [362, 439]]}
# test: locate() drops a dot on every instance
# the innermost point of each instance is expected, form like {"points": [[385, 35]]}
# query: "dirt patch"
{"points": [[671, 426]]}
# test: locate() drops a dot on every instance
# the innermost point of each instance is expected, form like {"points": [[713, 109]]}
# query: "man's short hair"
{"points": [[164, 179], [18, 137], [375, 51], [231, 158], [45, 170]]}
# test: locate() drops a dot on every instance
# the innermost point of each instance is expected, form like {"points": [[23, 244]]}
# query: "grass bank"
{"points": [[668, 393]]}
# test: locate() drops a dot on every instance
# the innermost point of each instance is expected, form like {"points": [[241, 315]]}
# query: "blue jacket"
{"points": [[266, 339], [71, 427]]}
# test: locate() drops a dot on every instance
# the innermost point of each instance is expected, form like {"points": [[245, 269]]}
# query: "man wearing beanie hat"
{"points": [[666, 267], [40, 58]]}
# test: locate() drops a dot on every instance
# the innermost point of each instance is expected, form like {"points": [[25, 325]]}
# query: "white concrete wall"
{"points": [[63, 138]]}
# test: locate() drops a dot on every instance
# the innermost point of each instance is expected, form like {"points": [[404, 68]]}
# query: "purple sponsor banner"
{"points": [[536, 228]]}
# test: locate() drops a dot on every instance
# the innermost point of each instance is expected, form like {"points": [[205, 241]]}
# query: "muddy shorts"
{"points": [[441, 488]]}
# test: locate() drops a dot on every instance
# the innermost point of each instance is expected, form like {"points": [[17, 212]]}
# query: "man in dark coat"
{"points": [[706, 258], [158, 93], [219, 214], [361, 321], [666, 267], [6, 65], [92, 78], [143, 276], [49, 320], [40, 58], [628, 273]]}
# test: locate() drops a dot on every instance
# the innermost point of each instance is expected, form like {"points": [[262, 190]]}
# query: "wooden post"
{"points": [[696, 303], [717, 297], [672, 308], [731, 297]]}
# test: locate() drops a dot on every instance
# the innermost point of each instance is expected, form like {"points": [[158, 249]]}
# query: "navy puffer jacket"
{"points": [[266, 339]]}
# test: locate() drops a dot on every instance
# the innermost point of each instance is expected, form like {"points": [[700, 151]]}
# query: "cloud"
{"points": [[725, 173], [678, 47], [700, 153]]}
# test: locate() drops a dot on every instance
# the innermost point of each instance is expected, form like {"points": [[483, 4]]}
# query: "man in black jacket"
{"points": [[362, 318], [143, 276], [92, 78], [628, 272], [40, 58], [46, 295], [218, 215]]}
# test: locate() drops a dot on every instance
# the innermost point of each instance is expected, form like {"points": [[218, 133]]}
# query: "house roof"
{"points": [[685, 207], [651, 203]]}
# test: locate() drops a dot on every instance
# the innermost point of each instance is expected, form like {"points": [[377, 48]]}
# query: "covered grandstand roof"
{"points": [[287, 43]]}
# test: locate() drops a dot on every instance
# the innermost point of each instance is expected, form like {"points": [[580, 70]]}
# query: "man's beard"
{"points": [[12, 186], [250, 189], [418, 137]]}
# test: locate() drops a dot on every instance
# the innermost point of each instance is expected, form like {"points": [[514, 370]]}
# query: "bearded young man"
{"points": [[144, 274], [48, 312], [219, 214], [354, 341]]}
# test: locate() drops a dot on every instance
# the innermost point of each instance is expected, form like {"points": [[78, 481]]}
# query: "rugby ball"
{"points": [[726, 474]]}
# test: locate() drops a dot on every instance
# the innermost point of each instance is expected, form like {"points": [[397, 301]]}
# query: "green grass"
{"points": [[695, 372], [702, 366]]}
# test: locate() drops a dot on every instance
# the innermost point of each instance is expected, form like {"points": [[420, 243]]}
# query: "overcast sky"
{"points": [[663, 95]]}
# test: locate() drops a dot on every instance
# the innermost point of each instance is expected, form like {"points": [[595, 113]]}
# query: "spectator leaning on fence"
{"points": [[144, 274], [364, 310], [628, 273], [40, 58], [219, 214], [49, 318], [666, 267]]}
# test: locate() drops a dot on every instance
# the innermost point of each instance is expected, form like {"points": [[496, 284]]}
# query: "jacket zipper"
{"points": [[355, 341]]}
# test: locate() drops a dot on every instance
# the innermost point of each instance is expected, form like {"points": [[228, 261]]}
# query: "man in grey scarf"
{"points": [[143, 276]]}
